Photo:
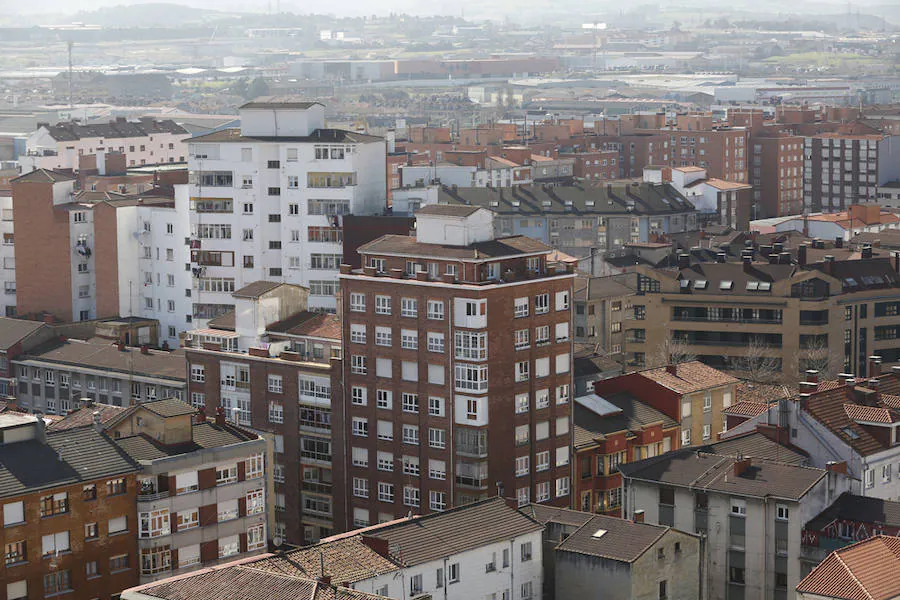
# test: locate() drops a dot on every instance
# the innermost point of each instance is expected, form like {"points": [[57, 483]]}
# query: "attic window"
{"points": [[850, 282], [494, 203], [752, 286], [850, 433], [589, 203], [568, 203], [685, 284], [700, 284], [599, 533], [726, 284], [515, 203], [765, 286], [546, 203]]}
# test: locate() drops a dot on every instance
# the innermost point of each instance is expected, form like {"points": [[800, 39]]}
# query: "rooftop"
{"points": [[867, 570], [325, 136], [13, 331], [862, 509], [612, 538], [120, 128], [347, 558], [104, 355], [447, 210], [757, 445], [142, 447], [43, 176], [280, 102], [85, 416], [497, 248], [595, 417], [688, 377], [68, 457], [309, 324], [712, 472], [256, 289]]}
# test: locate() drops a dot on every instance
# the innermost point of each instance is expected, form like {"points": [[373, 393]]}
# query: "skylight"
{"points": [[752, 286], [765, 286], [726, 284], [700, 284], [850, 433], [599, 533]]}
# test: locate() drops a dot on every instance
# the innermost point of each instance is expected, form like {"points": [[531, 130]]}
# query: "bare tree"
{"points": [[815, 354], [757, 364], [673, 351]]}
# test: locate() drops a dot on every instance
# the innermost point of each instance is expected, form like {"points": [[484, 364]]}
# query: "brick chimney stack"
{"points": [[741, 465], [220, 416], [638, 516]]}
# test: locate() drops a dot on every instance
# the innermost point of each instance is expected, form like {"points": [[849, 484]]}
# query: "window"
{"points": [[542, 335], [91, 532], [357, 302], [385, 492], [411, 434], [685, 437], [198, 373], [471, 377], [357, 333], [706, 431], [154, 523], [360, 427], [359, 395], [437, 438], [54, 543], [55, 504], [435, 310], [383, 336], [409, 307], [522, 371], [525, 591], [522, 339], [562, 485], [385, 430], [435, 406], [358, 364], [435, 342], [384, 399], [410, 403], [738, 507], [562, 300], [453, 573], [437, 501], [13, 513], [437, 469], [663, 590], [525, 551], [57, 582], [275, 384], [707, 402], [360, 487], [781, 512], [523, 496], [522, 403], [522, 465], [411, 496], [541, 304], [360, 457], [187, 519], [226, 474], [415, 584], [382, 305], [15, 552], [186, 483], [470, 345], [869, 478], [520, 308]]}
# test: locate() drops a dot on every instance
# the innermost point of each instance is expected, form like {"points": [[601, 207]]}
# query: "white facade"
{"points": [[271, 210], [42, 150], [7, 257], [454, 230], [829, 230], [510, 578]]}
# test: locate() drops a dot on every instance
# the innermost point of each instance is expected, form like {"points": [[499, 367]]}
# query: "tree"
{"points": [[258, 87], [815, 354], [240, 87], [757, 363], [673, 351]]}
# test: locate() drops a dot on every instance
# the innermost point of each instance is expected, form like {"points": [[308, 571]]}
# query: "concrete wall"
{"points": [[581, 576]]}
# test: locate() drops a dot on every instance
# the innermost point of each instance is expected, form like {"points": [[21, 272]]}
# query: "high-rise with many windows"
{"points": [[265, 201], [456, 369]]}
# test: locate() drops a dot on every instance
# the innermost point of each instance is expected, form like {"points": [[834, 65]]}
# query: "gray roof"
{"points": [[169, 407], [715, 473], [142, 447], [456, 530], [256, 289], [757, 445], [43, 176], [280, 102], [612, 538], [862, 509], [120, 128], [324, 136], [447, 210], [620, 197], [544, 514], [632, 416], [496, 248], [107, 356], [13, 331], [87, 455]]}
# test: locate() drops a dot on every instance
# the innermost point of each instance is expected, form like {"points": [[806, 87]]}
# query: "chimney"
{"points": [[145, 349], [847, 379], [812, 376], [720, 257], [809, 387], [839, 241], [777, 247], [741, 465], [836, 467], [201, 414], [672, 370], [638, 516], [801, 255], [98, 423], [220, 415], [867, 251], [829, 263], [874, 366], [121, 346], [325, 579], [784, 258], [684, 260]]}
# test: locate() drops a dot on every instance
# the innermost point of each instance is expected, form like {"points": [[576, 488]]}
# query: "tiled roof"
{"points": [[43, 176], [871, 414], [204, 435], [324, 136], [689, 377], [761, 393], [612, 538], [71, 130], [632, 416], [544, 514], [169, 407], [699, 470], [746, 409], [86, 454], [757, 445], [241, 580], [867, 570], [156, 363], [497, 248], [280, 102], [256, 289], [310, 324], [225, 321], [456, 530], [13, 331], [85, 416], [862, 509], [827, 407], [347, 559], [448, 210]]}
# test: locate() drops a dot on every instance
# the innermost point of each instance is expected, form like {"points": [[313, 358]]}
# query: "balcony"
{"points": [[151, 496], [316, 487]]}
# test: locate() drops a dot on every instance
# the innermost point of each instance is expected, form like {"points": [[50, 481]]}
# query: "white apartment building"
{"points": [[7, 256], [146, 141], [265, 202]]}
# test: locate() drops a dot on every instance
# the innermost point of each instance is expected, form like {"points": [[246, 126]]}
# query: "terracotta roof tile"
{"points": [[871, 414], [689, 377], [867, 570], [746, 409], [346, 559]]}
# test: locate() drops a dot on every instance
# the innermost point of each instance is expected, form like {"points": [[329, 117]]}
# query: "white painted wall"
{"points": [[155, 150], [455, 231], [281, 122], [7, 258]]}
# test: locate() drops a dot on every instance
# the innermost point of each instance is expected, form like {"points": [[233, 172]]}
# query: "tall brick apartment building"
{"points": [[456, 370], [68, 506]]}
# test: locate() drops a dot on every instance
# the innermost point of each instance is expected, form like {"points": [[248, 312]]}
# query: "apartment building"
{"points": [[720, 202], [846, 166], [417, 426], [844, 225], [691, 393], [146, 141], [574, 218], [69, 519], [603, 307], [828, 315], [776, 174], [266, 201], [16, 337], [7, 253], [484, 549], [609, 431], [584, 552], [57, 376], [86, 255], [593, 164], [273, 365], [201, 494], [751, 512]]}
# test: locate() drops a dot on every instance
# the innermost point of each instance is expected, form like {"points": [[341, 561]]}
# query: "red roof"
{"points": [[689, 377], [746, 409], [868, 570], [871, 414]]}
